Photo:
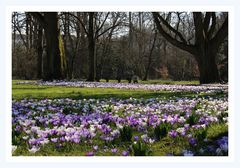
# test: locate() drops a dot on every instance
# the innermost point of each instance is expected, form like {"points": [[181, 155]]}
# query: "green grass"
{"points": [[21, 91], [38, 92]]}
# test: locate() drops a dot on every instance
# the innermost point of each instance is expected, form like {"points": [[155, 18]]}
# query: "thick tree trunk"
{"points": [[82, 58], [91, 49], [52, 47], [206, 59]]}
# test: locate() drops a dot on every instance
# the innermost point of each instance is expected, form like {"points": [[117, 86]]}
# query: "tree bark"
{"points": [[52, 46], [39, 51], [150, 57], [206, 59], [91, 48], [51, 59]]}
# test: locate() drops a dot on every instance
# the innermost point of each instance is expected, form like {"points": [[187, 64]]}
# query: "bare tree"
{"points": [[206, 43], [95, 29]]}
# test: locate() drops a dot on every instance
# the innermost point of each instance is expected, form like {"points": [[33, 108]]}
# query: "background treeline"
{"points": [[118, 45]]}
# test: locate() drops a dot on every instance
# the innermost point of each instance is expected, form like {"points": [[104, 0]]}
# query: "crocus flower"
{"points": [[95, 148], [114, 150], [125, 153], [89, 153], [135, 138], [192, 141], [187, 153], [33, 150], [54, 139], [173, 133]]}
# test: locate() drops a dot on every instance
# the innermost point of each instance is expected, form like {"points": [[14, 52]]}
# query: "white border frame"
{"points": [[103, 159]]}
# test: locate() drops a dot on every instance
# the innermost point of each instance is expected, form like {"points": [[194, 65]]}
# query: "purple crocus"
{"points": [[89, 153], [192, 141], [125, 153], [135, 138], [173, 133], [54, 139], [95, 148], [76, 140], [114, 150]]}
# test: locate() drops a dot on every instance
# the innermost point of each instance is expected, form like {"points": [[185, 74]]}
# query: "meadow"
{"points": [[154, 118]]}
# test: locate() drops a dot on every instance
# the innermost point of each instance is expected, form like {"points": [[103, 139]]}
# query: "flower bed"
{"points": [[130, 127]]}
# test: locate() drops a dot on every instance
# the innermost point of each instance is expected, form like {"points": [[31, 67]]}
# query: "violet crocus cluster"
{"points": [[59, 121]]}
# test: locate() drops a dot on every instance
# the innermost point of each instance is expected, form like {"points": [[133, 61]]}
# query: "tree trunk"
{"points": [[14, 32], [52, 47], [207, 65], [91, 49], [39, 51], [150, 58], [82, 57], [27, 31]]}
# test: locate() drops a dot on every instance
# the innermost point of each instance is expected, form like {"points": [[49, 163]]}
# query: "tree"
{"points": [[207, 41], [95, 29], [150, 57], [53, 61]]}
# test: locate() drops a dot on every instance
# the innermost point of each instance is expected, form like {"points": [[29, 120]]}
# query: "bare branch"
{"points": [[173, 41], [106, 30], [39, 17], [101, 26], [177, 33], [80, 21]]}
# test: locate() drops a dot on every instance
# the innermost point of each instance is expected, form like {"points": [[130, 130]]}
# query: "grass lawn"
{"points": [[166, 145], [21, 91]]}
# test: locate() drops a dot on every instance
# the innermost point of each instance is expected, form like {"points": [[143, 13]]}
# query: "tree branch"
{"points": [[170, 27], [100, 27], [221, 34], [80, 21], [173, 41], [21, 36], [106, 30], [39, 17]]}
